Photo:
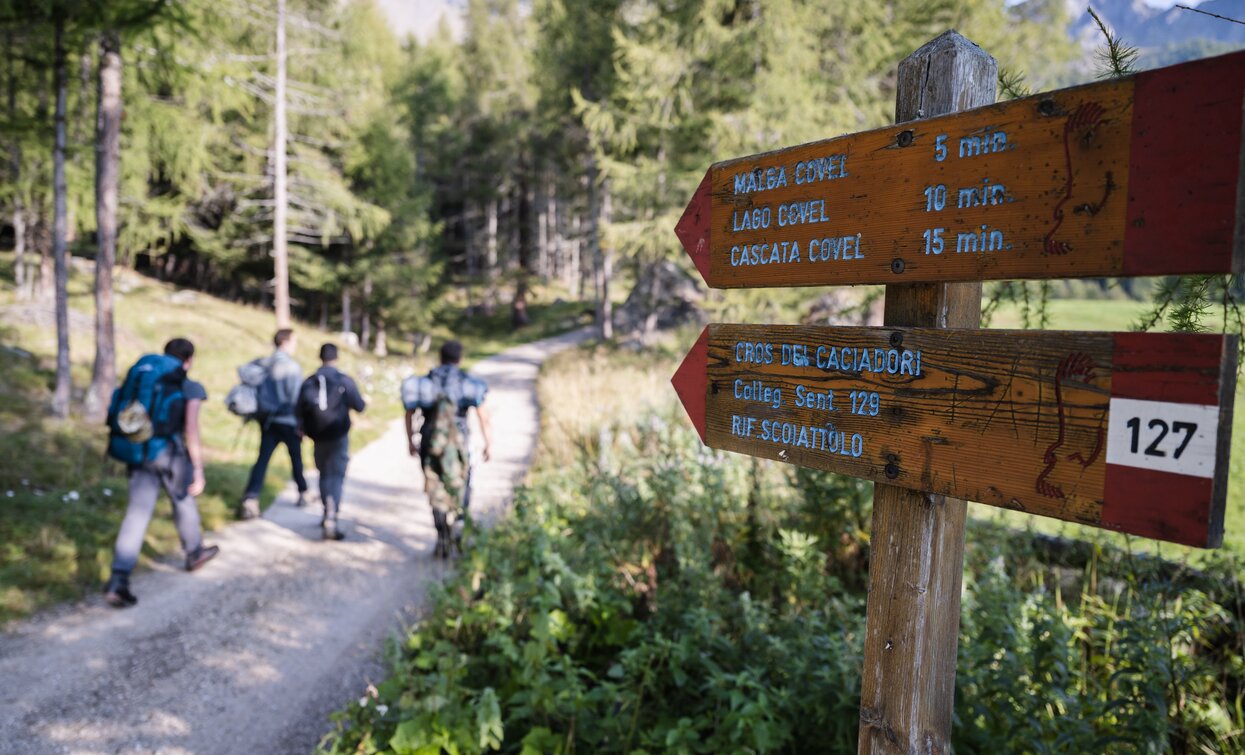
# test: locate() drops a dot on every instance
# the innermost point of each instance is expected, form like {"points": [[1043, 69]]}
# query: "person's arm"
{"points": [[410, 433], [194, 447], [486, 430], [354, 399]]}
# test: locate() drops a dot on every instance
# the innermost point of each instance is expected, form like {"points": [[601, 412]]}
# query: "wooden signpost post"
{"points": [[1128, 431]]}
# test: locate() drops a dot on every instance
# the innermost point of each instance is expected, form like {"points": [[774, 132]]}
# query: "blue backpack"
{"points": [[148, 410]]}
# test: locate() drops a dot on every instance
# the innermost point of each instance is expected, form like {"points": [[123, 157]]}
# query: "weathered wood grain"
{"points": [[1135, 176], [916, 563], [1015, 419]]}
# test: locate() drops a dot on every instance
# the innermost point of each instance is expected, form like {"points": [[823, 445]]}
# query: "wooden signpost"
{"points": [[1127, 431], [1135, 176]]}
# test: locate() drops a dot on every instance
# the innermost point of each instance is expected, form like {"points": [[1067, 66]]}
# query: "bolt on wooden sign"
{"points": [[1135, 176], [1126, 431]]}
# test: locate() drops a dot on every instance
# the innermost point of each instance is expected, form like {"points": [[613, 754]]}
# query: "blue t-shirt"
{"points": [[193, 390]]}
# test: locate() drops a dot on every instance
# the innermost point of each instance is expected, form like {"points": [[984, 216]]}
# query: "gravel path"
{"points": [[251, 654]]}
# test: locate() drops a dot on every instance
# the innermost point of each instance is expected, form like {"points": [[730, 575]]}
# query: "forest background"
{"points": [[530, 164]]}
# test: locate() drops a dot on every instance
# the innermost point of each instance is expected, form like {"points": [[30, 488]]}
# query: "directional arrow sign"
{"points": [[1136, 176], [1128, 431]]}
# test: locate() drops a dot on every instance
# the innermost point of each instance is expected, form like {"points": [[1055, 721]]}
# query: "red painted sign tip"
{"points": [[691, 382], [693, 228]]}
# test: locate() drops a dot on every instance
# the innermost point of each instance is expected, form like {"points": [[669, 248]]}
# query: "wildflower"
{"points": [[382, 709], [8, 494], [108, 492], [363, 701]]}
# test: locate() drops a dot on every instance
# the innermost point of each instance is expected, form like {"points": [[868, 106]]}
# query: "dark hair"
{"points": [[283, 335], [328, 353], [180, 348], [451, 352]]}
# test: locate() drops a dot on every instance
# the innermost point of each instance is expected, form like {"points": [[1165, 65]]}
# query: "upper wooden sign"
{"points": [[1135, 176], [1128, 431]]}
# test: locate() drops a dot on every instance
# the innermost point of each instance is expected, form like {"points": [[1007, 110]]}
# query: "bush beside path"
{"points": [[252, 653]]}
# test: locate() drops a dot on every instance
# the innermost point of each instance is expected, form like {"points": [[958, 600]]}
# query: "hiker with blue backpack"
{"points": [[153, 422], [324, 405], [444, 397], [275, 397]]}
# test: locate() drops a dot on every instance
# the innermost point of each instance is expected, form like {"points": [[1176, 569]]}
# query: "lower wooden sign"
{"points": [[1126, 431]]}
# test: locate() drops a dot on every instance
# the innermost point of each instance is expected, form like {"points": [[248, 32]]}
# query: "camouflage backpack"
{"points": [[445, 435]]}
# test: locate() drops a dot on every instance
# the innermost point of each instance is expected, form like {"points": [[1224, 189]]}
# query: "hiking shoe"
{"points": [[120, 597], [249, 508], [302, 500], [332, 533], [201, 556]]}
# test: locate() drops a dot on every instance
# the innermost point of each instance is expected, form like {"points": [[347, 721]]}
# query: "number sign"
{"points": [[1128, 431]]}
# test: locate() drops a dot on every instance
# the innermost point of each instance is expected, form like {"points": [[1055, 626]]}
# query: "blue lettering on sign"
{"points": [[742, 426], [822, 401], [756, 218], [984, 240], [813, 437], [759, 392], [779, 252], [802, 212], [760, 179], [795, 354], [754, 353], [835, 248], [820, 169], [986, 195], [855, 360], [984, 143]]}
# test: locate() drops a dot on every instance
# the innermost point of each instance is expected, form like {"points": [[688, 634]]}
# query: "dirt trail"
{"points": [[252, 653]]}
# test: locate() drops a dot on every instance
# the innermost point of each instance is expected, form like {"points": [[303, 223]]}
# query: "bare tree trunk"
{"points": [[490, 253], [469, 252], [347, 325], [382, 343], [543, 257], [577, 256], [324, 313], [527, 257], [280, 254], [107, 170], [605, 309], [20, 273], [61, 396], [365, 334]]}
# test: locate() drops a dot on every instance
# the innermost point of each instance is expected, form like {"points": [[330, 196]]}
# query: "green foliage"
{"points": [[651, 595], [1115, 58]]}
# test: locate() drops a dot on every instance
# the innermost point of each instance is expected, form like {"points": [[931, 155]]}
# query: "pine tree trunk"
{"points": [[64, 386], [527, 257], [382, 343], [20, 273], [365, 334], [280, 254], [490, 251], [347, 325], [107, 169], [577, 256], [605, 266]]}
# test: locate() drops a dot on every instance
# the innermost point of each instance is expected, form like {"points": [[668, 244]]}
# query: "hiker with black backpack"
{"points": [[323, 411], [153, 423], [276, 396], [443, 397]]}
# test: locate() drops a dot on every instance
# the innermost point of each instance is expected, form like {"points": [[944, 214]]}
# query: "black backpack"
{"points": [[322, 407]]}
